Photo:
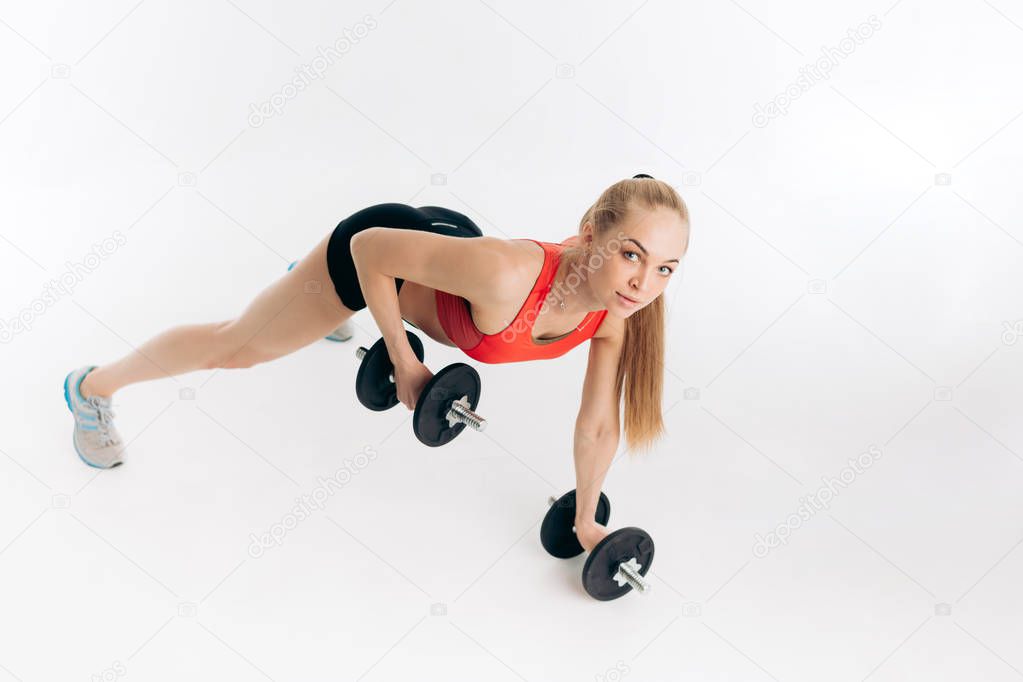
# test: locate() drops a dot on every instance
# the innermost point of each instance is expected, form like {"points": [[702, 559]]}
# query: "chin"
{"points": [[629, 313]]}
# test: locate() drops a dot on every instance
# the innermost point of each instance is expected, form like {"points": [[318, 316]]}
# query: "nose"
{"points": [[638, 282]]}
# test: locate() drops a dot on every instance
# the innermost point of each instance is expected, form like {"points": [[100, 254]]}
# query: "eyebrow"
{"points": [[630, 239]]}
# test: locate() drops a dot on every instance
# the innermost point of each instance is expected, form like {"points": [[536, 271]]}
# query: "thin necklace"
{"points": [[561, 298], [551, 294]]}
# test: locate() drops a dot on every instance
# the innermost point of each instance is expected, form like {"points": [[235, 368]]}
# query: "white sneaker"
{"points": [[95, 438], [344, 331]]}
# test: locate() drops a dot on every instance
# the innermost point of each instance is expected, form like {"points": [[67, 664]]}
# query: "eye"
{"points": [[665, 270]]}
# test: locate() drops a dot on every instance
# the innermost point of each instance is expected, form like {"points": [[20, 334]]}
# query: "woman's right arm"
{"points": [[410, 375], [475, 268]]}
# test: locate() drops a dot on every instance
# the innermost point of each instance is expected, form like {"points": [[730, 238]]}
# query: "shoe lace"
{"points": [[105, 420]]}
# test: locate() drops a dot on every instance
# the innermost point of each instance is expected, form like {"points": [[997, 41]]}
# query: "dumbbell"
{"points": [[445, 406], [617, 563], [374, 382]]}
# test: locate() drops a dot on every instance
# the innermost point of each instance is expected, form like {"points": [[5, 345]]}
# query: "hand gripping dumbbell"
{"points": [[617, 563], [445, 406]]}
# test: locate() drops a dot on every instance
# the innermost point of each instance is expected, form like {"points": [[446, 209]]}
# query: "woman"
{"points": [[498, 300]]}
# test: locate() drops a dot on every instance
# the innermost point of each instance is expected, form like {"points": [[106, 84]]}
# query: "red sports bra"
{"points": [[515, 342]]}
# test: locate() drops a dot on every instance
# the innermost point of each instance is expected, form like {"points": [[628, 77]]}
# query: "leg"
{"points": [[297, 309]]}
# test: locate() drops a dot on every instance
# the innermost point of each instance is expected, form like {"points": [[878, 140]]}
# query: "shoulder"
{"points": [[522, 262], [522, 252]]}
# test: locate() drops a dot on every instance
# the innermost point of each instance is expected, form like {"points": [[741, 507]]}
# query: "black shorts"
{"points": [[401, 216]]}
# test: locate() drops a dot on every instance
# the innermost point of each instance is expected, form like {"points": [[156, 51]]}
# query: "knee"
{"points": [[241, 359], [230, 350]]}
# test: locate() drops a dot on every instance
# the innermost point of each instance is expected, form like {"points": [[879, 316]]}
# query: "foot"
{"points": [[344, 331], [95, 438]]}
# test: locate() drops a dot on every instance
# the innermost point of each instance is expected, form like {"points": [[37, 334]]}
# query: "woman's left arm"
{"points": [[597, 431]]}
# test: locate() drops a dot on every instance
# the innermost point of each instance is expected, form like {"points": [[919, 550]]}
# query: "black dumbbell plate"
{"points": [[556, 534], [603, 561], [373, 388], [429, 421]]}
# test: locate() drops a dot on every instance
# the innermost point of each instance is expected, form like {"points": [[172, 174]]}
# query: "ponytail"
{"points": [[641, 373]]}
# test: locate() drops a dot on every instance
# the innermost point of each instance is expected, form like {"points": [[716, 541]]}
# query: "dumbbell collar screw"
{"points": [[628, 573], [461, 413]]}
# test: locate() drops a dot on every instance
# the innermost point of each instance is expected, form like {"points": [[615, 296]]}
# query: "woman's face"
{"points": [[637, 259]]}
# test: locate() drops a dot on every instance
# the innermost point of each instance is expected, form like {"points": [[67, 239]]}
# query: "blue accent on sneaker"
{"points": [[67, 401]]}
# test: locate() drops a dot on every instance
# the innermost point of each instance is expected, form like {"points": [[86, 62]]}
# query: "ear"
{"points": [[586, 237]]}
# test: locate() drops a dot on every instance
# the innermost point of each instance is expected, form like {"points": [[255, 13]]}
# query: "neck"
{"points": [[576, 295]]}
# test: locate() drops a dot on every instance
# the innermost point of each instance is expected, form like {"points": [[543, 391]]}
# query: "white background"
{"points": [[854, 280]]}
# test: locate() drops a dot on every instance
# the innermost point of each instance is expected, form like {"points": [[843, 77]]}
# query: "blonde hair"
{"points": [[641, 365]]}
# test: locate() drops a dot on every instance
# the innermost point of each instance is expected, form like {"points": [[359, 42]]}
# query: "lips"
{"points": [[630, 300]]}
